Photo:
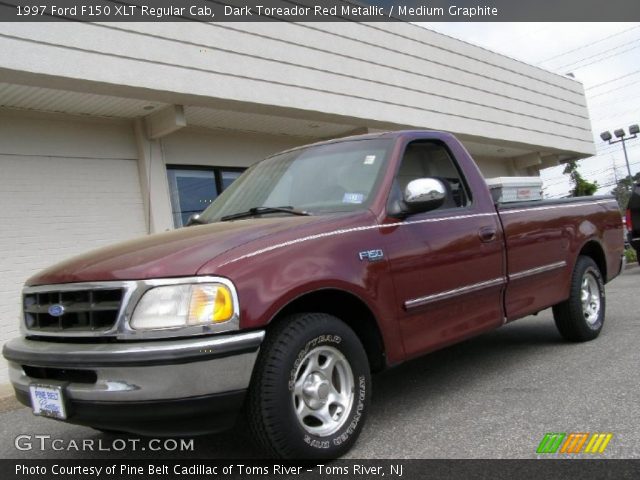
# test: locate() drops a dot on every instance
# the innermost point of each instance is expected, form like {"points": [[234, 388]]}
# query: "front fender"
{"points": [[268, 282]]}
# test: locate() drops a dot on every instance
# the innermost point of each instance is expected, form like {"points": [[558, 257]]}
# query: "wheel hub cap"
{"points": [[323, 393], [590, 298], [315, 390]]}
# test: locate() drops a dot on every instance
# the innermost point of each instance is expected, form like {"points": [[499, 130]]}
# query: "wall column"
{"points": [[153, 180]]}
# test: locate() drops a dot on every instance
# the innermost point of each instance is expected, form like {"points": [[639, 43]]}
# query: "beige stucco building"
{"points": [[111, 131]]}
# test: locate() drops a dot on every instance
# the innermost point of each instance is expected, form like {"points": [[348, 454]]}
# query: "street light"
{"points": [[634, 130]]}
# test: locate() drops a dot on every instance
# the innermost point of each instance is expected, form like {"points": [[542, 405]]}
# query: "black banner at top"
{"points": [[319, 10]]}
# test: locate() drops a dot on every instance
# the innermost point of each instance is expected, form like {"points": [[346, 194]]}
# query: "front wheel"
{"points": [[580, 318], [311, 388]]}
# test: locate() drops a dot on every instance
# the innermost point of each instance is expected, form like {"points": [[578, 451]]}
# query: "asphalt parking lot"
{"points": [[491, 397]]}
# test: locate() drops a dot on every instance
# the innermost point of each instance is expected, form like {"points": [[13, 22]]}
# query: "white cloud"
{"points": [[558, 47]]}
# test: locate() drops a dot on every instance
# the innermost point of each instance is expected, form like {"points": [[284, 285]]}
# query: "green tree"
{"points": [[622, 191], [581, 187]]}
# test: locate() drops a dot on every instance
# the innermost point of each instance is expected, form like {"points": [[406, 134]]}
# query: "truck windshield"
{"points": [[337, 177]]}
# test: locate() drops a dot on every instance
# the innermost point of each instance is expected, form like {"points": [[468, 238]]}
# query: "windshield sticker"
{"points": [[353, 198], [369, 159]]}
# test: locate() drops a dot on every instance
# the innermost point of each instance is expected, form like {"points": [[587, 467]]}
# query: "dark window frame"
{"points": [[215, 169], [463, 179]]}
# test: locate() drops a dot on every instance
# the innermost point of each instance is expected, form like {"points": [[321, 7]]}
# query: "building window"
{"points": [[192, 189]]}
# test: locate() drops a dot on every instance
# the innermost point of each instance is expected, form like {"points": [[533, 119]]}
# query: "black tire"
{"points": [[575, 322], [290, 349]]}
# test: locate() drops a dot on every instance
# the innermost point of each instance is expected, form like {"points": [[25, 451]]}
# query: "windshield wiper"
{"points": [[260, 210]]}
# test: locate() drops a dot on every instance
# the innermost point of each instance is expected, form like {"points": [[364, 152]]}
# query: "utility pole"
{"points": [[622, 138]]}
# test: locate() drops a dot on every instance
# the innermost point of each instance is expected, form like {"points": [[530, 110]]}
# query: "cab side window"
{"points": [[428, 159]]}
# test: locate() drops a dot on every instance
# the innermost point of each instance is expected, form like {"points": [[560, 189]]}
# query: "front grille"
{"points": [[83, 310]]}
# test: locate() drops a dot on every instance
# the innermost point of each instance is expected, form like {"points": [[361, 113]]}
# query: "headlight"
{"points": [[183, 306]]}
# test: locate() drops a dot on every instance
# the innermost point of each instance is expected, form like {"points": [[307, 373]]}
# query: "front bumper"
{"points": [[185, 386]]}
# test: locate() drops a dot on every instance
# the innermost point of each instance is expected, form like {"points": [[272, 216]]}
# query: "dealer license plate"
{"points": [[47, 401]]}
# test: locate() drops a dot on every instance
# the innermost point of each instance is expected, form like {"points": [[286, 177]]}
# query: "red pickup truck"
{"points": [[315, 268]]}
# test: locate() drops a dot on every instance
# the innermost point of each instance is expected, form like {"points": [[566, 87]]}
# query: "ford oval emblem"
{"points": [[56, 310]]}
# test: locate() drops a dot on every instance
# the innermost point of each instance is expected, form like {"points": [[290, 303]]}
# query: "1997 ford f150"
{"points": [[315, 268]]}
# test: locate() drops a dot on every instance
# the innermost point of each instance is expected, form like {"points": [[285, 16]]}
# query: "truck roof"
{"points": [[392, 134]]}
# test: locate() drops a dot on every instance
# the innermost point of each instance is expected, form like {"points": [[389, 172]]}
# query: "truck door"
{"points": [[447, 264]]}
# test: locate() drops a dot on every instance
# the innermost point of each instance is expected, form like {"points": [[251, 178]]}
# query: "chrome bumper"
{"points": [[141, 371]]}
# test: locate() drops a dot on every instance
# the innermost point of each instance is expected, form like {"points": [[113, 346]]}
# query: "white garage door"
{"points": [[52, 208]]}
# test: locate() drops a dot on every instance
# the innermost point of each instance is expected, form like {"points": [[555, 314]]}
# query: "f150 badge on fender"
{"points": [[371, 255]]}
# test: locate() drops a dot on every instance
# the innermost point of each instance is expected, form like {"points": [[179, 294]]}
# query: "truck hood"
{"points": [[177, 253]]}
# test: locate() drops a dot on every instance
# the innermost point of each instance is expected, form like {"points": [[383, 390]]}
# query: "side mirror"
{"points": [[194, 219], [424, 194]]}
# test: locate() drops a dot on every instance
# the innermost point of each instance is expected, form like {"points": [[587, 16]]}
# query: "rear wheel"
{"points": [[580, 318], [311, 388]]}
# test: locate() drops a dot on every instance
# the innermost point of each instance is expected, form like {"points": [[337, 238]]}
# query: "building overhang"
{"points": [[166, 112]]}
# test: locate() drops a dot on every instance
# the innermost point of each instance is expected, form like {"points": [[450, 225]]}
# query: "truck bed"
{"points": [[540, 276], [553, 202]]}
